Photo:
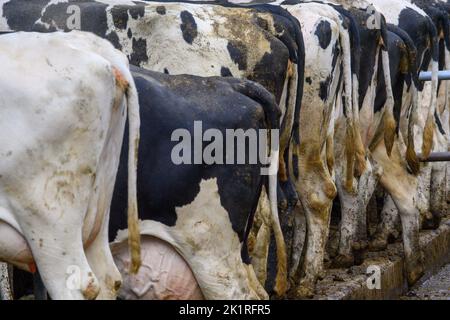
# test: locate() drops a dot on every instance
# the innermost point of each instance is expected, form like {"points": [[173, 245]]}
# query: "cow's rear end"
{"points": [[63, 117]]}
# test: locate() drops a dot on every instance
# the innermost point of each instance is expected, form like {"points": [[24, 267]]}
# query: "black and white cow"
{"points": [[440, 19], [392, 171], [178, 38], [431, 184], [370, 65], [64, 106], [404, 80], [408, 192], [328, 77], [422, 31], [437, 181], [263, 44], [203, 211]]}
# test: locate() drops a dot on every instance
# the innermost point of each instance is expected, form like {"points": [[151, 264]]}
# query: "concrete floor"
{"points": [[436, 287]]}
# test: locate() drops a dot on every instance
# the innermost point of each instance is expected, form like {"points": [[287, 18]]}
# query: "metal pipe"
{"points": [[436, 157], [442, 75]]}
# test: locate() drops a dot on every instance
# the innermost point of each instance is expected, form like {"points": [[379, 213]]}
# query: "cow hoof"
{"points": [[117, 285], [378, 244], [360, 245], [343, 261], [414, 275], [431, 222], [92, 289], [304, 291], [321, 274]]}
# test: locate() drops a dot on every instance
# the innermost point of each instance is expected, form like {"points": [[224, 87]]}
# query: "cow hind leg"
{"points": [[102, 263], [403, 187], [317, 191], [96, 238], [260, 250], [438, 189], [60, 256], [298, 241], [409, 217], [423, 194], [388, 229], [347, 227], [353, 226]]}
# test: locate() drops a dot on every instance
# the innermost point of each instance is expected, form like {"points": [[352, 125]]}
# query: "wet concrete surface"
{"points": [[437, 287], [351, 283]]}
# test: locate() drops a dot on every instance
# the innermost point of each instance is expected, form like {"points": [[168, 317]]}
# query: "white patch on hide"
{"points": [[204, 237]]}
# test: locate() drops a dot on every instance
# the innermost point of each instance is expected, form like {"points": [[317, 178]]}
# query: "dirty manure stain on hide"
{"points": [[161, 10], [323, 33], [238, 53], [262, 23], [188, 27]]}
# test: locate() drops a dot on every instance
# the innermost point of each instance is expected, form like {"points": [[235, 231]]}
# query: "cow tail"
{"points": [[354, 147], [409, 67], [281, 284], [281, 277], [428, 131], [388, 117], [355, 51], [411, 155], [296, 56], [352, 131], [389, 122], [272, 114], [125, 79], [134, 239]]}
